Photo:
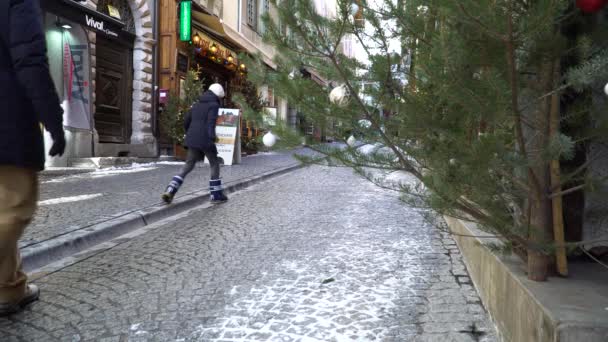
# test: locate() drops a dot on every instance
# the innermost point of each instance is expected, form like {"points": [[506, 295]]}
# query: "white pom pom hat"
{"points": [[218, 90]]}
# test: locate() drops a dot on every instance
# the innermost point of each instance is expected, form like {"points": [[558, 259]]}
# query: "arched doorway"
{"points": [[114, 77]]}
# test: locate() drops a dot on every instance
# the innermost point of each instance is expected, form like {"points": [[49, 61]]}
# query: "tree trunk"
{"points": [[541, 222], [540, 225]]}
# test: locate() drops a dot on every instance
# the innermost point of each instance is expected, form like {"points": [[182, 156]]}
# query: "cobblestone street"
{"points": [[318, 254], [108, 193]]}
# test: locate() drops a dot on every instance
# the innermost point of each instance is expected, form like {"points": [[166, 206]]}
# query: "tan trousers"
{"points": [[18, 198]]}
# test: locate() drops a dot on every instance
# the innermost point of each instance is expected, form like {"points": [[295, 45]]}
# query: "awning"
{"points": [[210, 23], [316, 77], [207, 41], [215, 26]]}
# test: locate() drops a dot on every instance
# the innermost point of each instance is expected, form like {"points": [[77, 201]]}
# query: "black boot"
{"points": [[217, 192], [172, 189]]}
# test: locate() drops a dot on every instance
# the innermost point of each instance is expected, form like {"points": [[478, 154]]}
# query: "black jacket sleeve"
{"points": [[28, 53], [213, 113]]}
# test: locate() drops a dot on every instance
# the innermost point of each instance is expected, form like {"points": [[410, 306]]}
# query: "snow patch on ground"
{"points": [[335, 298], [69, 199], [113, 171], [172, 163]]}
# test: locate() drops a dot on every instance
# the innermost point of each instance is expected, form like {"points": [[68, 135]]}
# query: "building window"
{"points": [[252, 13], [263, 10]]}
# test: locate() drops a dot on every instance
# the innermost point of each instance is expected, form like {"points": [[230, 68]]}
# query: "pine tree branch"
{"points": [[479, 23]]}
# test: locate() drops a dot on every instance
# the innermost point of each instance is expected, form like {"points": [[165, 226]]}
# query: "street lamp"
{"points": [[62, 24]]}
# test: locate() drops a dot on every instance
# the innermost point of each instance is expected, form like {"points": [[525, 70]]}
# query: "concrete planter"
{"points": [[559, 310]]}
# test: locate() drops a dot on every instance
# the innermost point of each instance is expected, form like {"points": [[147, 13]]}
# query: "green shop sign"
{"points": [[185, 20]]}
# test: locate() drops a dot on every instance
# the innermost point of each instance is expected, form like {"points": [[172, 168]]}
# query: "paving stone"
{"points": [[257, 269], [122, 190]]}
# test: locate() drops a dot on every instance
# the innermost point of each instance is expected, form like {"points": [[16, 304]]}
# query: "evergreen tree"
{"points": [[475, 97], [172, 119]]}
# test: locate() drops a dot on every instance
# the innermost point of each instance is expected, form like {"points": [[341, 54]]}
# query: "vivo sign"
{"points": [[99, 26]]}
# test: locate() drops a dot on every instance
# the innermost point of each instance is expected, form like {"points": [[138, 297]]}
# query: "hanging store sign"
{"points": [[114, 12], [185, 20]]}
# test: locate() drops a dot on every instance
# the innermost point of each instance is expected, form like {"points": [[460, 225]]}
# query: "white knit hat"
{"points": [[218, 90]]}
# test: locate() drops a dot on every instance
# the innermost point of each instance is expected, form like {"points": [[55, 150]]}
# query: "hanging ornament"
{"points": [[366, 124], [591, 6], [292, 74], [269, 139], [339, 95], [354, 9], [606, 89], [351, 141]]}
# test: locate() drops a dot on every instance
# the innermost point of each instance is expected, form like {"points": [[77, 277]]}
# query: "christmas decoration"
{"points": [[606, 89], [339, 95], [269, 139], [591, 6], [365, 124], [351, 141]]}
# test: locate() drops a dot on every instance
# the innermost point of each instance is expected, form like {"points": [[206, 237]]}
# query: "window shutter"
{"points": [[252, 13]]}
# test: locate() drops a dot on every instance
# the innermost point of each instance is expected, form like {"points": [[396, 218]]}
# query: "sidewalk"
{"points": [[78, 203]]}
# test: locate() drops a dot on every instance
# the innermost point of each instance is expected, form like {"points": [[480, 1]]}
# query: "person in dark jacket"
{"points": [[199, 124], [27, 98]]}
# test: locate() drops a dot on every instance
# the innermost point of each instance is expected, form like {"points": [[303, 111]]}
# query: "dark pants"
{"points": [[195, 155]]}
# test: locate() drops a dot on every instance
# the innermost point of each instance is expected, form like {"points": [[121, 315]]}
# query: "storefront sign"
{"points": [[185, 20], [87, 17], [226, 130], [100, 26]]}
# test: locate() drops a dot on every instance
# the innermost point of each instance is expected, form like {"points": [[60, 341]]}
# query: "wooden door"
{"points": [[114, 91]]}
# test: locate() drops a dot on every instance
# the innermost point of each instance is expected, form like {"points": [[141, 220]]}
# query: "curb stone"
{"points": [[46, 252]]}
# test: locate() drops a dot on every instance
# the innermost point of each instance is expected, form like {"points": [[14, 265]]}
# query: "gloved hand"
{"points": [[58, 144]]}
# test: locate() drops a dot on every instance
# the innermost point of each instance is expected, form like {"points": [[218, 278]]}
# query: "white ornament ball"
{"points": [[606, 89], [269, 139], [339, 95], [365, 123], [351, 141], [354, 8]]}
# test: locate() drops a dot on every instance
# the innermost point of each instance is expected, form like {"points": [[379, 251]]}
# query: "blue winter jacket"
{"points": [[27, 93], [200, 123]]}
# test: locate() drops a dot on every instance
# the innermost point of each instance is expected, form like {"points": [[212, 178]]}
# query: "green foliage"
{"points": [[587, 74], [468, 90], [172, 119]]}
